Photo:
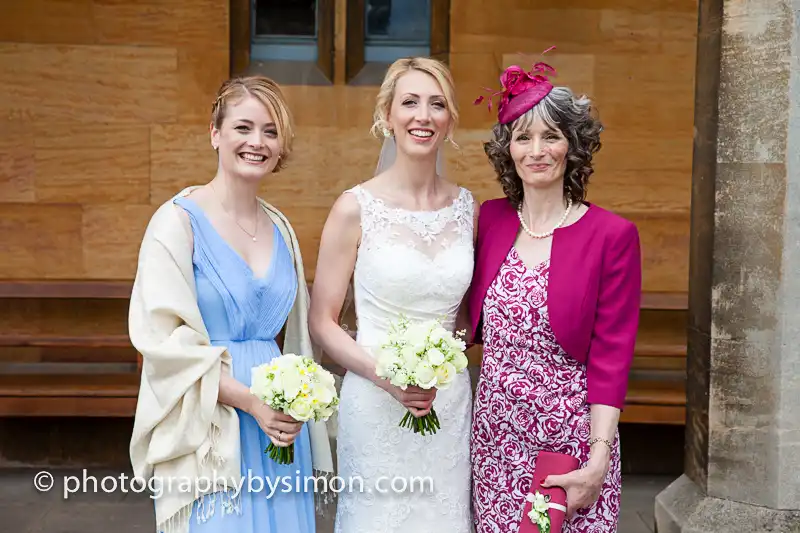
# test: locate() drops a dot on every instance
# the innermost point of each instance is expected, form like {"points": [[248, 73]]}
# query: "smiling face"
{"points": [[539, 151], [419, 116], [247, 140]]}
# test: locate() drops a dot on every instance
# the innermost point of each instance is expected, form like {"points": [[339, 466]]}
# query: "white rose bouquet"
{"points": [[423, 354], [296, 386]]}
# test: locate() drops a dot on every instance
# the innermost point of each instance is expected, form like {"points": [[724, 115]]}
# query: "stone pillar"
{"points": [[742, 469]]}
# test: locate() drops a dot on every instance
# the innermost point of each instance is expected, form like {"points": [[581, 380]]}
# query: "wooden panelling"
{"points": [[475, 72], [665, 192], [47, 21], [665, 242], [337, 106], [88, 84], [91, 163], [180, 155], [17, 167], [200, 73], [111, 237], [106, 104], [641, 96], [469, 165], [576, 71], [198, 24], [40, 241], [104, 116]]}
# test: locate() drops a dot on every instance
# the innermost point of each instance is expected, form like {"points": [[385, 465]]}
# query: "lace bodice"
{"points": [[418, 263]]}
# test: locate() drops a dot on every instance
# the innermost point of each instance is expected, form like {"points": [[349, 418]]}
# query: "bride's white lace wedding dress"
{"points": [[419, 264]]}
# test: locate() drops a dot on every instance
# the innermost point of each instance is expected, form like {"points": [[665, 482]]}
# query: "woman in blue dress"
{"points": [[244, 277]]}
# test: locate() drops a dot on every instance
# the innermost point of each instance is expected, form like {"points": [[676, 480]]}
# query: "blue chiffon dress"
{"points": [[245, 314]]}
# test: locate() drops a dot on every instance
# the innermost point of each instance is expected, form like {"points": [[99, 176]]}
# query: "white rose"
{"points": [[424, 376], [410, 358], [326, 378], [322, 394], [388, 361], [438, 334], [320, 377], [460, 361], [324, 413], [285, 361], [445, 375], [457, 344], [417, 336], [300, 409], [383, 368], [400, 378], [258, 380], [435, 357], [291, 385], [266, 393], [539, 503], [275, 384]]}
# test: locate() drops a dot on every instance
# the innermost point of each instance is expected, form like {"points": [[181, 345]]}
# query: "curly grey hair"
{"points": [[573, 116]]}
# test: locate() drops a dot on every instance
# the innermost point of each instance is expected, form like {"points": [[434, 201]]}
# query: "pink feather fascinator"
{"points": [[520, 90]]}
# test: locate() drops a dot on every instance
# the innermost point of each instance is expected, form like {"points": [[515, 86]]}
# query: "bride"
{"points": [[406, 238]]}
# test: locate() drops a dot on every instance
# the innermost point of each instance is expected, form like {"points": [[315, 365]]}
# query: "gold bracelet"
{"points": [[607, 442]]}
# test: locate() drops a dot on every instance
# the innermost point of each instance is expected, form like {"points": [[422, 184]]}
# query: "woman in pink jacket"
{"points": [[555, 302]]}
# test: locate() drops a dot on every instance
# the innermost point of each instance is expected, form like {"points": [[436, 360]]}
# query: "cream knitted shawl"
{"points": [[181, 433]]}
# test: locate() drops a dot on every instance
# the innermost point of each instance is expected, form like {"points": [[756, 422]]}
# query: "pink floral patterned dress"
{"points": [[531, 396]]}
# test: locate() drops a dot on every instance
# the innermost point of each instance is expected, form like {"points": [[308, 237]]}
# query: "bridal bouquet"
{"points": [[422, 354], [296, 386]]}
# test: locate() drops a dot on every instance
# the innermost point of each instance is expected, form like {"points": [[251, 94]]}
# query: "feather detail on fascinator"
{"points": [[520, 90]]}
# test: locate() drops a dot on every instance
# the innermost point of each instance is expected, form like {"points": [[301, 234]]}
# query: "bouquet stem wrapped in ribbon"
{"points": [[425, 355], [296, 386]]}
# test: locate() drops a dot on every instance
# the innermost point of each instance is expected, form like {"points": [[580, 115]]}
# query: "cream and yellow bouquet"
{"points": [[296, 386], [423, 354]]}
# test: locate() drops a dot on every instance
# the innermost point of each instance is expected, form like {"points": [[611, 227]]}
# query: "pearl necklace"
{"points": [[549, 233]]}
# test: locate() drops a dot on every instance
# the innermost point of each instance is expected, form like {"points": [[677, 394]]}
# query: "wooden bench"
{"points": [[109, 395], [56, 382], [66, 368], [657, 391], [81, 289], [86, 374]]}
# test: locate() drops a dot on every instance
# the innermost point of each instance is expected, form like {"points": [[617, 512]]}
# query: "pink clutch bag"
{"points": [[552, 500]]}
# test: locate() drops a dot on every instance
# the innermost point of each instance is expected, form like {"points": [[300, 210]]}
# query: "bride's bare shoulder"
{"points": [[346, 209]]}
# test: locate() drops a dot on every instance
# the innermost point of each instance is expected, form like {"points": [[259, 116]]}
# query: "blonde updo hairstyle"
{"points": [[437, 69], [270, 95]]}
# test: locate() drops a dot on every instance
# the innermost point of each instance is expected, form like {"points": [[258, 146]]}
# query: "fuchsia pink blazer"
{"points": [[594, 290]]}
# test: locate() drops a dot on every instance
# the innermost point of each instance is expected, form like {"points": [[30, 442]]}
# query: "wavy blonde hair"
{"points": [[268, 93], [438, 70]]}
